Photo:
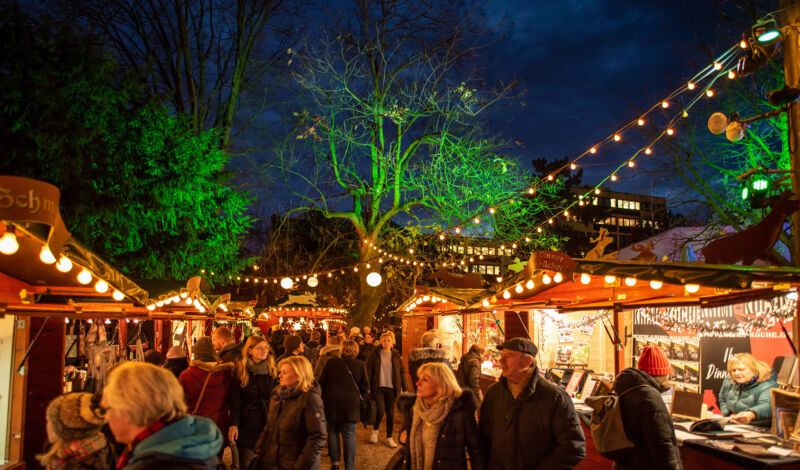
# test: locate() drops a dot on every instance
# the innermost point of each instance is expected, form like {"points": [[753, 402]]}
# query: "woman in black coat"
{"points": [[294, 436], [386, 391], [255, 377], [439, 423], [343, 382]]}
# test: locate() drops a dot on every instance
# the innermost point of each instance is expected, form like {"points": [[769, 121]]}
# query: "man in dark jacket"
{"points": [[645, 418], [427, 352], [469, 370], [526, 421], [225, 346]]}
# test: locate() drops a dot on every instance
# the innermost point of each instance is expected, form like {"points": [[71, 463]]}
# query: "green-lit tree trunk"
{"points": [[369, 298]]}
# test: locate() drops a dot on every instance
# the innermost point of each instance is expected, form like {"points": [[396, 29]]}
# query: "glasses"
{"points": [[260, 349]]}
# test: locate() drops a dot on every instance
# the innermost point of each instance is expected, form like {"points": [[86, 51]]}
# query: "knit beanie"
{"points": [[72, 416], [291, 342], [654, 362], [176, 352], [203, 350]]}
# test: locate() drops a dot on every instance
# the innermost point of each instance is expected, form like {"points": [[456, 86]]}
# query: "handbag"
{"points": [[367, 406], [397, 461], [202, 392]]}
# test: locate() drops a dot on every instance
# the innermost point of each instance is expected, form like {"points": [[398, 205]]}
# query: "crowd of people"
{"points": [[280, 408]]}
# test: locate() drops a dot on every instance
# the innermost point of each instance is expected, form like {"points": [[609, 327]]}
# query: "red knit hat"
{"points": [[654, 362]]}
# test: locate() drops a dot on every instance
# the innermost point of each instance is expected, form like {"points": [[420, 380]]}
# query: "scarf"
{"points": [[425, 432], [286, 392], [262, 368], [743, 386], [149, 431], [80, 449]]}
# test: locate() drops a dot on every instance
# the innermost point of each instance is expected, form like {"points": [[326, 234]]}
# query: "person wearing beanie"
{"points": [[74, 425], [205, 384], [646, 420], [176, 360], [293, 346]]}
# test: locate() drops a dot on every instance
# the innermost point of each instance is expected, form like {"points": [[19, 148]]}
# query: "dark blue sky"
{"points": [[591, 66]]}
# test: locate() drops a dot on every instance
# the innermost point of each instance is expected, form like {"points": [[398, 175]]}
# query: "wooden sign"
{"points": [[28, 200], [550, 261]]}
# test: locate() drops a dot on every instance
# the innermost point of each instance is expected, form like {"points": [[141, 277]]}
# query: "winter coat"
{"points": [[248, 407], [459, 432], [537, 430], [311, 352], [469, 373], [295, 432], [190, 443], [419, 356], [364, 351], [325, 354], [214, 403], [647, 424], [177, 365], [230, 353], [399, 380], [276, 341], [102, 459], [754, 397], [342, 393]]}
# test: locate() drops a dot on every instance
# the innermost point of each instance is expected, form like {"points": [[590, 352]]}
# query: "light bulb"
{"points": [[101, 286], [692, 288], [617, 137], [585, 279], [426, 298], [506, 294], [573, 166], [84, 277], [64, 264], [717, 66], [287, 283], [613, 177], [630, 281], [670, 131], [656, 284], [731, 74], [46, 255], [549, 177], [558, 277], [593, 150], [374, 279], [117, 295], [610, 279], [189, 301], [546, 279], [640, 122], [529, 284], [9, 244], [313, 281], [477, 221], [665, 104], [743, 44], [690, 85], [518, 289], [631, 164], [709, 93], [485, 302]]}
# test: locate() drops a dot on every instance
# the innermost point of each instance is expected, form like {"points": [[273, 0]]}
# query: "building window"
{"points": [[638, 208], [613, 202]]}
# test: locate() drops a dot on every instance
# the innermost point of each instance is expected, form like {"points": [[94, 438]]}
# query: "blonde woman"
{"points": [[73, 429], [255, 377], [295, 432], [440, 424], [146, 411], [387, 379], [744, 395]]}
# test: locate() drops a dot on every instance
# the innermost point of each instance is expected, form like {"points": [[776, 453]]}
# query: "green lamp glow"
{"points": [[768, 36]]}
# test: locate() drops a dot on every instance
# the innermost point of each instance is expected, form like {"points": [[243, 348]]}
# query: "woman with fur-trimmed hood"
{"points": [[427, 352], [214, 400]]}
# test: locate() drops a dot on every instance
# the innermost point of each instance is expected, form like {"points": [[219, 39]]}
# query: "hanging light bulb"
{"points": [[709, 92], [64, 264], [617, 137], [101, 286], [585, 279], [593, 150], [8, 243], [640, 122], [485, 302], [670, 131], [630, 281], [287, 283], [690, 85], [717, 66], [506, 294], [46, 256], [613, 177], [631, 164], [558, 277], [313, 281], [518, 289], [665, 104], [84, 277], [529, 285], [117, 295], [546, 279], [656, 284], [374, 279], [692, 288], [648, 151], [610, 279]]}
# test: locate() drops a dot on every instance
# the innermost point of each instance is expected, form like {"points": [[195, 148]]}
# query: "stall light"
{"points": [[692, 288], [558, 277], [160, 303], [630, 281], [107, 321], [506, 294], [610, 279], [117, 295], [518, 289], [184, 294], [656, 284], [585, 279], [426, 298], [151, 307], [374, 279], [64, 264], [791, 296], [176, 299], [66, 320], [135, 321], [313, 281], [189, 301], [487, 364], [287, 283], [499, 278], [529, 284], [84, 277], [8, 243], [546, 279], [485, 302], [101, 286], [46, 256]]}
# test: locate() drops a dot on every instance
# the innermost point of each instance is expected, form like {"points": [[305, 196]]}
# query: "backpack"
{"points": [[608, 431]]}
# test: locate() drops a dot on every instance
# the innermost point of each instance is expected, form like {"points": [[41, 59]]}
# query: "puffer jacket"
{"points": [[190, 443], [647, 424], [537, 430], [459, 433], [755, 397], [295, 433], [419, 356], [214, 402], [468, 374], [399, 380], [248, 405]]}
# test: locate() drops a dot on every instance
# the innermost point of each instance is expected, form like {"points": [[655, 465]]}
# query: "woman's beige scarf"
{"points": [[425, 432]]}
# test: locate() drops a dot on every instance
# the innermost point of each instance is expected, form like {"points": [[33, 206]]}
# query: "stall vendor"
{"points": [[745, 395]]}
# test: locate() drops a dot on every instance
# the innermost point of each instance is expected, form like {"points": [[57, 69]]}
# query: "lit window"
{"points": [[461, 249], [613, 202], [594, 201], [638, 206], [492, 252]]}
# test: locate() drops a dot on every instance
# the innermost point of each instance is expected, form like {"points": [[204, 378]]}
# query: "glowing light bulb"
{"points": [[630, 281], [709, 93], [558, 277], [287, 283], [426, 298], [64, 264], [617, 137], [670, 131], [613, 177], [593, 150], [458, 229], [485, 302], [665, 104], [46, 256], [631, 164], [572, 166], [411, 250], [648, 151], [529, 285], [313, 281], [441, 236], [690, 85], [84, 277], [374, 279], [9, 244], [549, 177], [477, 220], [491, 211], [743, 44], [518, 289], [585, 279], [506, 294], [610, 279], [101, 286], [731, 74], [685, 113], [692, 288], [656, 284], [640, 122], [717, 66], [546, 279], [539, 229]]}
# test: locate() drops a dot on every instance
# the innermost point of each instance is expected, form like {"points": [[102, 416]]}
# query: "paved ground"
{"points": [[369, 456]]}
